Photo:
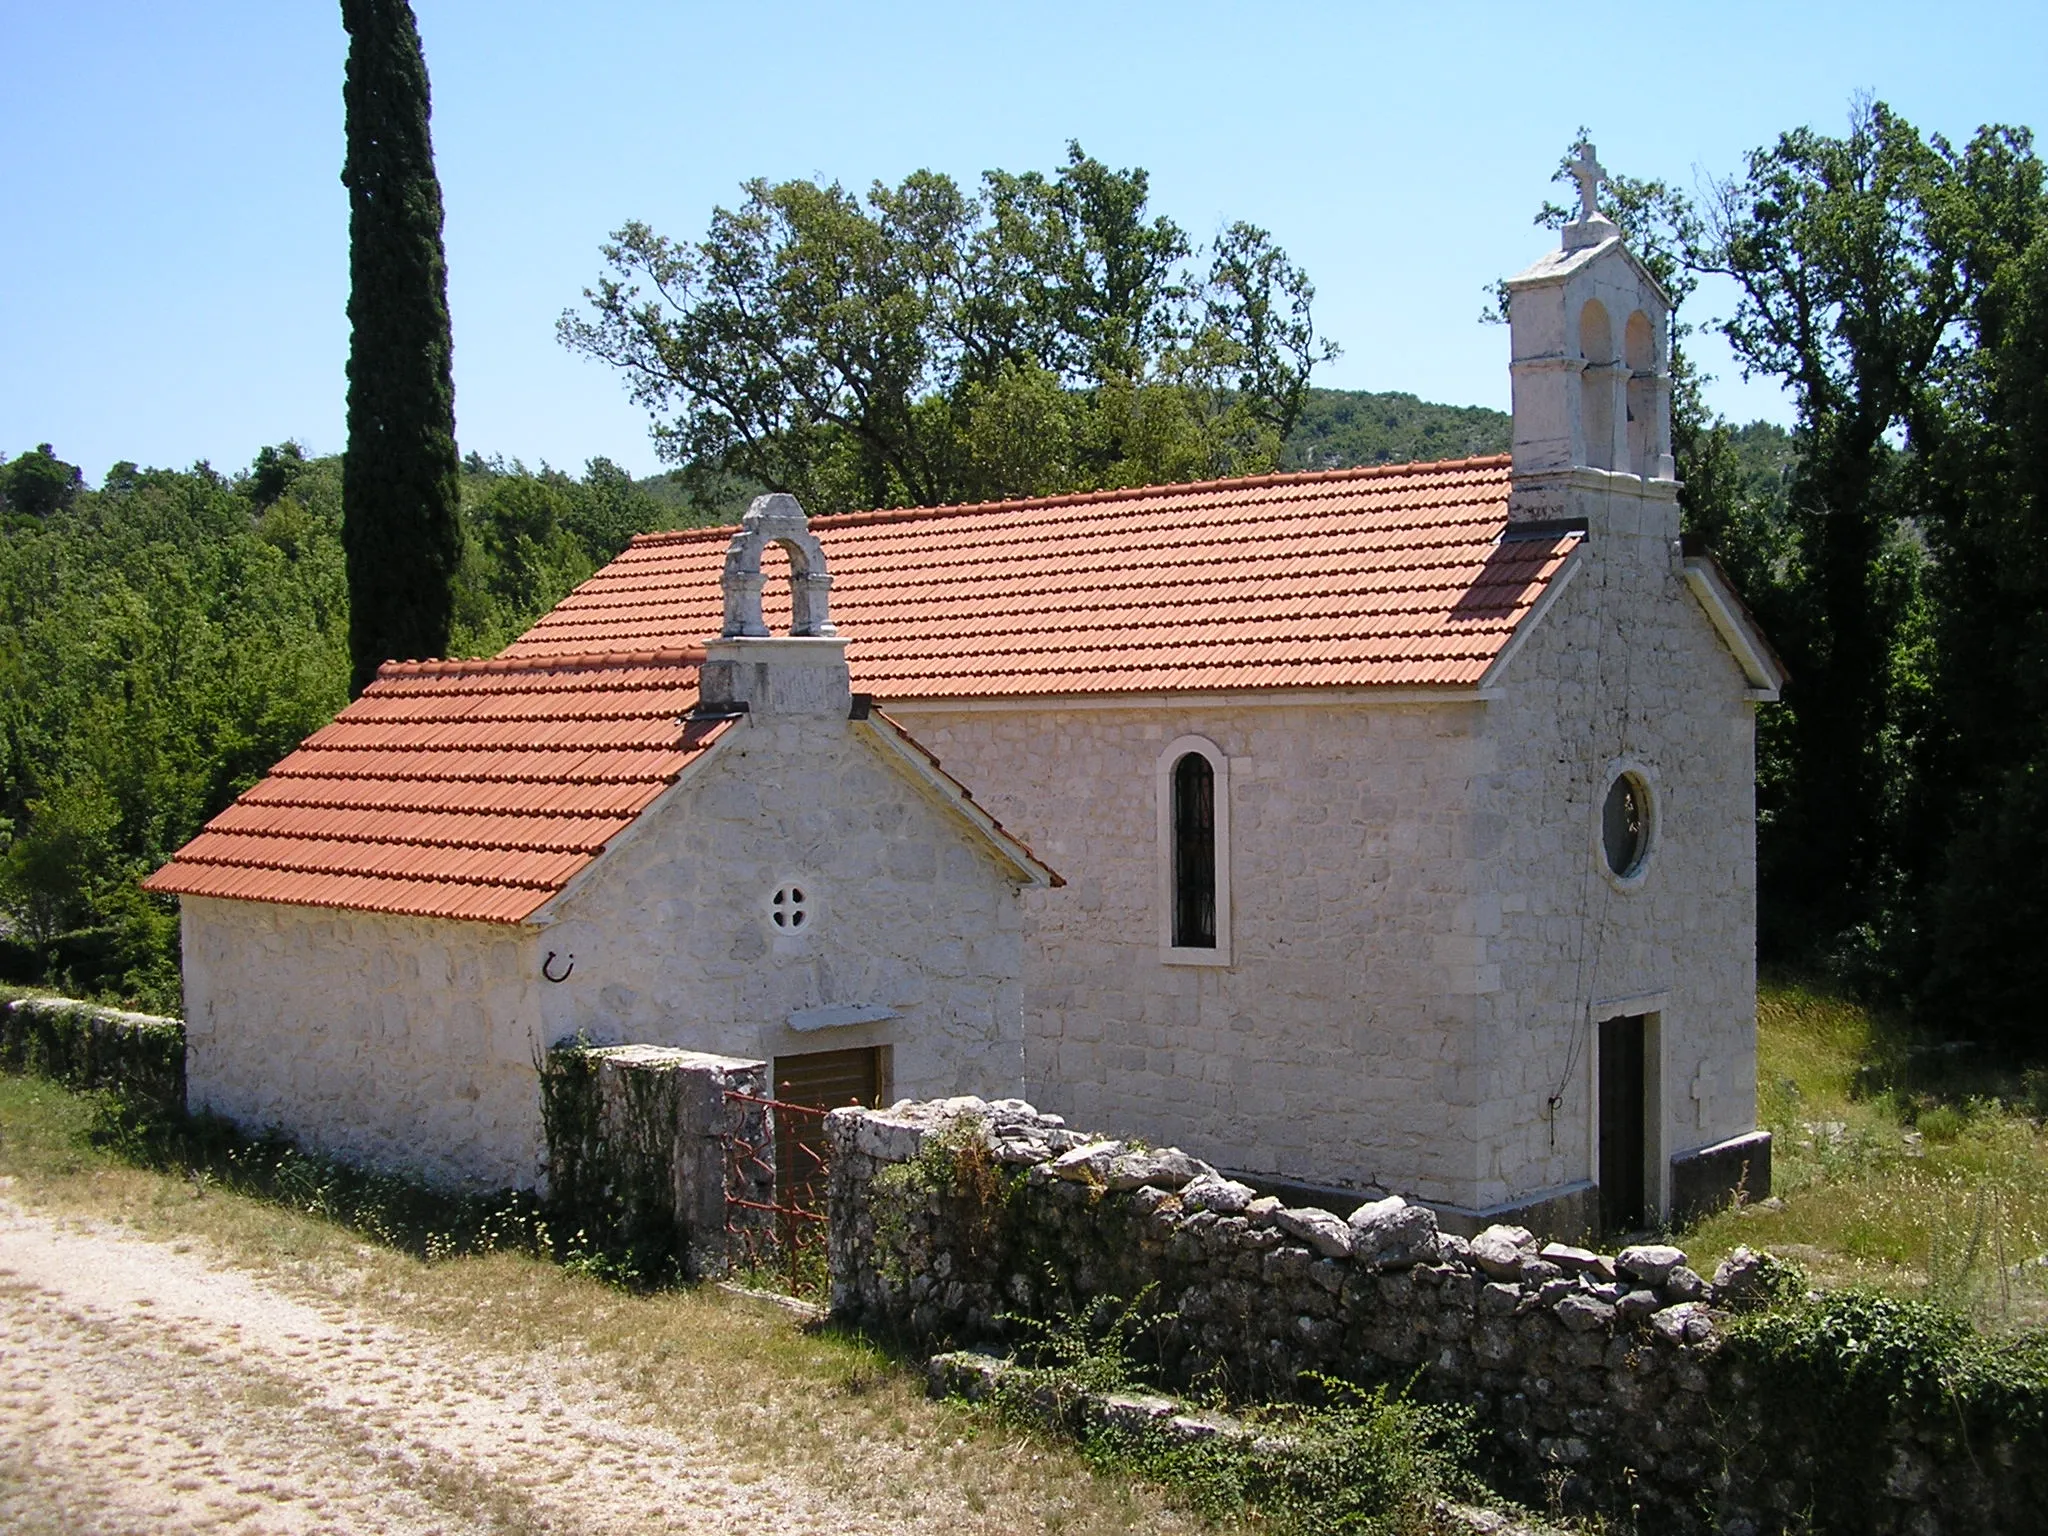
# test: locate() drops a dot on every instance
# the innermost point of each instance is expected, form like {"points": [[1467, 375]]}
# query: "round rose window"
{"points": [[1625, 825]]}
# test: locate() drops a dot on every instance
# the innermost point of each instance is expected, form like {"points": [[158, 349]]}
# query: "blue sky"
{"points": [[173, 267]]}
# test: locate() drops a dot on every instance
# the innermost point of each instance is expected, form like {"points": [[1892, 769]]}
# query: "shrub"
{"points": [[1847, 1384]]}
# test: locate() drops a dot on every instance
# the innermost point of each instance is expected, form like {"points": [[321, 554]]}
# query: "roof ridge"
{"points": [[669, 656], [1081, 498]]}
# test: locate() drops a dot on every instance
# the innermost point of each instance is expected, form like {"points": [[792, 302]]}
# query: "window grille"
{"points": [[1194, 853]]}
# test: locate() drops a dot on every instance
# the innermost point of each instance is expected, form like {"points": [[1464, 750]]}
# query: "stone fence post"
{"points": [[639, 1138]]}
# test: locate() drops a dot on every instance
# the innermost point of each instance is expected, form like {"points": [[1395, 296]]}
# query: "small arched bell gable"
{"points": [[776, 519]]}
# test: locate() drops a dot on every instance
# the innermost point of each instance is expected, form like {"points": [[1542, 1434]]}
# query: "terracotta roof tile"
{"points": [[457, 789], [1366, 578], [477, 789]]}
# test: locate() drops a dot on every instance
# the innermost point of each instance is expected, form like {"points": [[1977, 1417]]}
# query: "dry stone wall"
{"points": [[639, 1144], [1608, 1377], [86, 1046]]}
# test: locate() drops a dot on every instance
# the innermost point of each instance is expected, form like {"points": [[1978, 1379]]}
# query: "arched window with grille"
{"points": [[1194, 853]]}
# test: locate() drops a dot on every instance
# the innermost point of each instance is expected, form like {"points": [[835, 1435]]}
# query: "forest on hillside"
{"points": [[168, 635]]}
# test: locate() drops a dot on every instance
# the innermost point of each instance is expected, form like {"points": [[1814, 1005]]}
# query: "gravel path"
{"points": [[144, 1390]]}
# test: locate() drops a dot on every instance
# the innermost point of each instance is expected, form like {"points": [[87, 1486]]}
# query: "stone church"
{"points": [[1383, 829]]}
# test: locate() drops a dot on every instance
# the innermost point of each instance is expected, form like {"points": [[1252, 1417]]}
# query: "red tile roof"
{"points": [[466, 789], [1393, 575], [478, 789]]}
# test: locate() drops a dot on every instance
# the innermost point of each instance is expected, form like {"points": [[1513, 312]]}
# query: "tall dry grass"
{"points": [[1898, 1164]]}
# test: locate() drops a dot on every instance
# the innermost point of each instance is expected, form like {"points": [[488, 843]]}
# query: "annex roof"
{"points": [[481, 789], [462, 789], [1386, 576]]}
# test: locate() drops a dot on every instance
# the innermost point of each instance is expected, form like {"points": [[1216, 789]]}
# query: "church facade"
{"points": [[1405, 816]]}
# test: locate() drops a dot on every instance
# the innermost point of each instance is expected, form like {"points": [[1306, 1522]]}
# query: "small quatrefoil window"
{"points": [[789, 908]]}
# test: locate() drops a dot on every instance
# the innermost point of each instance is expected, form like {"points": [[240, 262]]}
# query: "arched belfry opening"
{"points": [[1639, 353], [1596, 384], [777, 519]]}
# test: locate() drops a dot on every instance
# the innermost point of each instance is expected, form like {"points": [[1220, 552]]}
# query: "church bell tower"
{"points": [[1591, 335]]}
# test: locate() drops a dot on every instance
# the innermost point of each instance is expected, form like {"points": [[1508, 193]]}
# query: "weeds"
{"points": [[819, 1408], [1899, 1165], [211, 1157], [1358, 1460]]}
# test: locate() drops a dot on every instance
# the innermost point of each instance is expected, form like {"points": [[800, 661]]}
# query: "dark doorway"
{"points": [[819, 1080], [1623, 1132]]}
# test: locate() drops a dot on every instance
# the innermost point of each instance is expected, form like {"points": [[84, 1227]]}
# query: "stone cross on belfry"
{"points": [[1586, 172]]}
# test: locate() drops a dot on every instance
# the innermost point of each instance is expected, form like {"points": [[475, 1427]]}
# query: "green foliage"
{"points": [[1368, 1461], [957, 1175], [400, 1213], [1339, 428], [1840, 1383], [928, 344], [399, 484], [1353, 1460], [167, 638], [38, 483], [73, 1044], [610, 1182], [1894, 546]]}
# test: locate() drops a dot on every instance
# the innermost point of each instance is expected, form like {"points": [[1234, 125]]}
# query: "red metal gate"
{"points": [[777, 1162]]}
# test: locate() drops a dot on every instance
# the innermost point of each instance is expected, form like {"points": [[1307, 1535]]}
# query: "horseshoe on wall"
{"points": [[547, 967]]}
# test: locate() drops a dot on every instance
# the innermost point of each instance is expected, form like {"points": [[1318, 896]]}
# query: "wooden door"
{"points": [[1624, 1148], [819, 1080]]}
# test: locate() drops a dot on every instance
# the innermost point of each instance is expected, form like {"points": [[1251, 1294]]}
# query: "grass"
{"points": [[1373, 1462], [1898, 1165], [828, 1407]]}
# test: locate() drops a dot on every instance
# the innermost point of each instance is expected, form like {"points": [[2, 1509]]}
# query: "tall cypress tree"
{"points": [[399, 476]]}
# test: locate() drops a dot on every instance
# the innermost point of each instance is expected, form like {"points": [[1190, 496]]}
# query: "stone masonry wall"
{"points": [[84, 1045], [640, 1150], [395, 1042], [915, 934], [1625, 669], [1611, 1378], [1339, 1044]]}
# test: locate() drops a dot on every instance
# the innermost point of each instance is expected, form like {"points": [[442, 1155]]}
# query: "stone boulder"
{"points": [[1742, 1279], [1165, 1168], [1637, 1305], [1089, 1163], [1686, 1323], [1392, 1234], [1683, 1285], [1582, 1313], [1327, 1234], [1578, 1261], [1213, 1192], [1502, 1251], [1649, 1263]]}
